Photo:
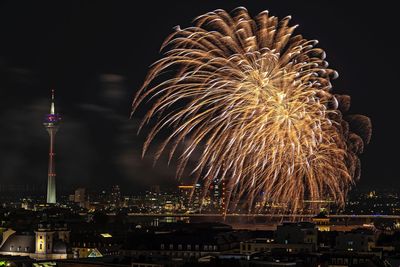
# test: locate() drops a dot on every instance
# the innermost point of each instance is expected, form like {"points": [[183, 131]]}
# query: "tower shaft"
{"points": [[51, 178]]}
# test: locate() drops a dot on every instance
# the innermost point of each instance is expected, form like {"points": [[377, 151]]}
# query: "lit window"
{"points": [[106, 235]]}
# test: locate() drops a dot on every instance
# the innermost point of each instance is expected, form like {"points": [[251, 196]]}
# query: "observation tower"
{"points": [[52, 123]]}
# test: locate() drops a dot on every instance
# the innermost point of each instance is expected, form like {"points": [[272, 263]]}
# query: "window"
{"points": [[196, 247], [215, 248], [40, 237], [162, 246], [41, 246], [48, 245], [171, 246], [179, 247], [189, 247], [205, 247]]}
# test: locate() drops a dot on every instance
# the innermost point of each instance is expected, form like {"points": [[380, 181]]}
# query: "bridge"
{"points": [[233, 215]]}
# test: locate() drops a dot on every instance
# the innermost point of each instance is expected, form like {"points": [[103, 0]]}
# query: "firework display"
{"points": [[254, 101]]}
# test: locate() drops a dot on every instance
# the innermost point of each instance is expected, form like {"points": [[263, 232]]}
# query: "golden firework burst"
{"points": [[256, 101]]}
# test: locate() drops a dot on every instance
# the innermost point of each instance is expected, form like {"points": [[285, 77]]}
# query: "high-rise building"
{"points": [[80, 196], [185, 192], [52, 123], [115, 196], [155, 189], [190, 197], [217, 195]]}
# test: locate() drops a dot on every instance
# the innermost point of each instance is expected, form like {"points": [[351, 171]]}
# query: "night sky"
{"points": [[96, 55]]}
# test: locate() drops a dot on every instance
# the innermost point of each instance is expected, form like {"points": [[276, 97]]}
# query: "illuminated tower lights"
{"points": [[52, 123]]}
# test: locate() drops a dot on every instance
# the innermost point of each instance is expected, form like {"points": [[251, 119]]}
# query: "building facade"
{"points": [[50, 241]]}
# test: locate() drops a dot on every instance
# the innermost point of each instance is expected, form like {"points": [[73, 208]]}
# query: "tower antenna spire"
{"points": [[52, 107]]}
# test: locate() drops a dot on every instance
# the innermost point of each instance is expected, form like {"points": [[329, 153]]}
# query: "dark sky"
{"points": [[96, 54]]}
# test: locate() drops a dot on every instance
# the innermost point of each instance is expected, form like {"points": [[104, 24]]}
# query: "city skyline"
{"points": [[95, 84], [236, 144]]}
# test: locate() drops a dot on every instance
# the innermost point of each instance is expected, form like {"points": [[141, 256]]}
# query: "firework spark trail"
{"points": [[256, 101]]}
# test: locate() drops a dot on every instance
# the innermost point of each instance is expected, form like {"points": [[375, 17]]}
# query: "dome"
{"points": [[60, 247], [19, 243]]}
